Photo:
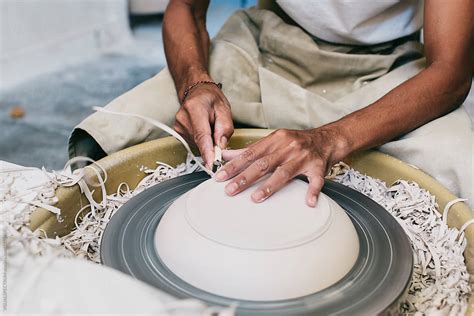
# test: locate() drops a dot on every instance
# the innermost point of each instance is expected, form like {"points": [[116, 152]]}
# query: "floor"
{"points": [[55, 102]]}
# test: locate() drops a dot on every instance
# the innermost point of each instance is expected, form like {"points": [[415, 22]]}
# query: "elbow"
{"points": [[461, 91], [456, 81]]}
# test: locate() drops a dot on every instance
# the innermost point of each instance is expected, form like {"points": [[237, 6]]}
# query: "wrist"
{"points": [[340, 141], [196, 85], [193, 75]]}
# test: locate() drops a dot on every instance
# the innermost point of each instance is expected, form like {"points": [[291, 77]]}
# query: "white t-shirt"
{"points": [[356, 22]]}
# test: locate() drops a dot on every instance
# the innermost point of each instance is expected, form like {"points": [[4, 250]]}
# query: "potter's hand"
{"points": [[286, 153], [205, 119]]}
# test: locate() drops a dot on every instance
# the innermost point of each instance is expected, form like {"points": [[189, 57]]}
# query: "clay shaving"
{"points": [[17, 203], [440, 282], [84, 241]]}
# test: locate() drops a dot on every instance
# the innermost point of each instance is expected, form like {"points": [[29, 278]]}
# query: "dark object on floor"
{"points": [[86, 146]]}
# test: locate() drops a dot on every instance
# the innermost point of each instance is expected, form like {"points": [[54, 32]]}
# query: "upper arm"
{"points": [[449, 33]]}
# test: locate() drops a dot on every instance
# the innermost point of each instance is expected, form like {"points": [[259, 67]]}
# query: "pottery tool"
{"points": [[218, 162]]}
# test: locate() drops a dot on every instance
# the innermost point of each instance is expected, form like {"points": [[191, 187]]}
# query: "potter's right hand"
{"points": [[205, 119]]}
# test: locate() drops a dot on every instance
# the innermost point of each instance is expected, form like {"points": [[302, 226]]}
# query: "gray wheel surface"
{"points": [[379, 277]]}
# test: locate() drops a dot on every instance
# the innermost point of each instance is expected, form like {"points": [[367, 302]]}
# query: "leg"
{"points": [[102, 133]]}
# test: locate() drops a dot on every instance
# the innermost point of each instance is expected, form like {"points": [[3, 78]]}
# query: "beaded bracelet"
{"points": [[188, 89]]}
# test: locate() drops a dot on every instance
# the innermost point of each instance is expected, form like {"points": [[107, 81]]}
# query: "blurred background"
{"points": [[58, 58]]}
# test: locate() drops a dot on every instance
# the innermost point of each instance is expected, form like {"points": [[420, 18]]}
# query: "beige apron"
{"points": [[277, 76]]}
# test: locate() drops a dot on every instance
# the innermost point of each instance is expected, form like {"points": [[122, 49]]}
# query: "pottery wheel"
{"points": [[378, 278]]}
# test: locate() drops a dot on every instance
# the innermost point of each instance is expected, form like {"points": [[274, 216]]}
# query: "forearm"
{"points": [[186, 43], [434, 92]]}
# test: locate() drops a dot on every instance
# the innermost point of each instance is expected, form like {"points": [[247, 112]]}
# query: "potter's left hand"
{"points": [[286, 153]]}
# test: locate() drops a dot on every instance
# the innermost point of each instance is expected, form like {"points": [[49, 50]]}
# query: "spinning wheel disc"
{"points": [[379, 277]]}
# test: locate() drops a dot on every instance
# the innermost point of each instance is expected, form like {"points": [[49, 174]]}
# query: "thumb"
{"points": [[223, 126], [202, 138]]}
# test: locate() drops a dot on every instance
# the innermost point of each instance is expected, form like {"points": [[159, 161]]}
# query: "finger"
{"points": [[254, 172], [242, 161], [229, 154], [183, 126], [202, 136], [185, 134], [223, 126], [282, 175], [315, 185], [247, 157]]}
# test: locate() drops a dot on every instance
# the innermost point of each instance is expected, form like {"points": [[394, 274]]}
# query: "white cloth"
{"points": [[356, 22]]}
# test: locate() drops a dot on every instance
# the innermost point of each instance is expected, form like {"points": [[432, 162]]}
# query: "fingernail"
{"points": [[231, 188], [258, 196], [223, 142], [221, 175], [312, 201]]}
